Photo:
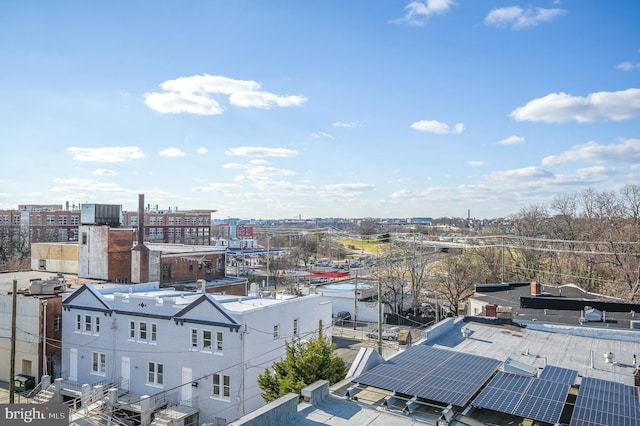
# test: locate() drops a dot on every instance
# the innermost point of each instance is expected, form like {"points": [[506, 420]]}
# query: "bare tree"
{"points": [[367, 227], [455, 276], [391, 274]]}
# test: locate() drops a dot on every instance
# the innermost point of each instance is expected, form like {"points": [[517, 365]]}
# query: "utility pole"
{"points": [[502, 260], [12, 373], [355, 304], [380, 317], [44, 337], [268, 250]]}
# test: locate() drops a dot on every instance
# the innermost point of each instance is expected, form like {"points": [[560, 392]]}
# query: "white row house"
{"points": [[196, 350]]}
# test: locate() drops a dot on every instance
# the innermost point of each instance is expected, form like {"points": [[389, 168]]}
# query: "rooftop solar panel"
{"points": [[524, 396], [433, 374], [558, 374], [605, 403]]}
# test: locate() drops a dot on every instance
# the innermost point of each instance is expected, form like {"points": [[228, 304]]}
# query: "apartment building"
{"points": [[182, 349], [173, 226]]}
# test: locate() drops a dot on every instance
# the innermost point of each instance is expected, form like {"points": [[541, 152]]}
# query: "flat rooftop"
{"points": [[540, 344], [509, 296]]}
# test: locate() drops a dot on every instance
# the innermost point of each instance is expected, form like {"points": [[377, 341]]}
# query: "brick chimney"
{"points": [[140, 255], [536, 288]]}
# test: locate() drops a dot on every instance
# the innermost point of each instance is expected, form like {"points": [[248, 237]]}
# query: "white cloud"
{"points": [[172, 152], [202, 150], [104, 172], [403, 193], [476, 163], [434, 126], [628, 66], [518, 18], [561, 107], [525, 173], [259, 162], [87, 186], [264, 100], [234, 166], [322, 135], [194, 95], [345, 189], [347, 125], [216, 187], [262, 171], [628, 151], [258, 151], [512, 140], [177, 103], [111, 154], [595, 172], [417, 12]]}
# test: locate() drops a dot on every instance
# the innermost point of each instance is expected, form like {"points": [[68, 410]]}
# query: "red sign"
{"points": [[244, 231]]}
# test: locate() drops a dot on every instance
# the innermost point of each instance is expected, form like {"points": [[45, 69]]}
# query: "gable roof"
{"points": [[87, 297], [220, 317]]}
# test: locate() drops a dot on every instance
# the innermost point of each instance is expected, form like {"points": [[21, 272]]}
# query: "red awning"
{"points": [[330, 274]]}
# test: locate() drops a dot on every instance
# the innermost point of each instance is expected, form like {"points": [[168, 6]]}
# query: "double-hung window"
{"points": [[219, 341], [142, 331], [98, 363], [154, 332], [206, 340], [78, 323], [155, 373], [132, 330], [220, 386], [295, 327], [194, 339]]}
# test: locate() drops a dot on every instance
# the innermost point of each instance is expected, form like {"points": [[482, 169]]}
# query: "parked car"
{"points": [[391, 333], [341, 316]]}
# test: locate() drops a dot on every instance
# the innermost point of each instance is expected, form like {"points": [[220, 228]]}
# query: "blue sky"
{"points": [[286, 109]]}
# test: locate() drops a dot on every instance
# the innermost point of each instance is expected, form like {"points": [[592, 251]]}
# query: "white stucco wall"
{"points": [[27, 336], [92, 255]]}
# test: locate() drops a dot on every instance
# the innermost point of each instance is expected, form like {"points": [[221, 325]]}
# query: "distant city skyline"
{"points": [[291, 110]]}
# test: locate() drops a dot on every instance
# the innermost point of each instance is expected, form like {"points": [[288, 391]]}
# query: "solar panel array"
{"points": [[559, 374], [604, 403], [524, 396], [432, 374]]}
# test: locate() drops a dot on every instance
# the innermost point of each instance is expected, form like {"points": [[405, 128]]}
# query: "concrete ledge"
{"points": [[279, 412], [316, 392]]}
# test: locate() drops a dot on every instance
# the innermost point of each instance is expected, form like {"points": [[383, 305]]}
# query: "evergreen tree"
{"points": [[305, 363]]}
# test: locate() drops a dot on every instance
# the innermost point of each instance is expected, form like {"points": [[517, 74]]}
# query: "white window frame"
{"points": [[153, 336], [142, 329], [219, 341], [194, 339], [88, 324], [296, 327], [276, 331], [132, 330], [96, 325], [155, 374], [78, 323], [99, 363], [221, 387], [207, 342]]}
